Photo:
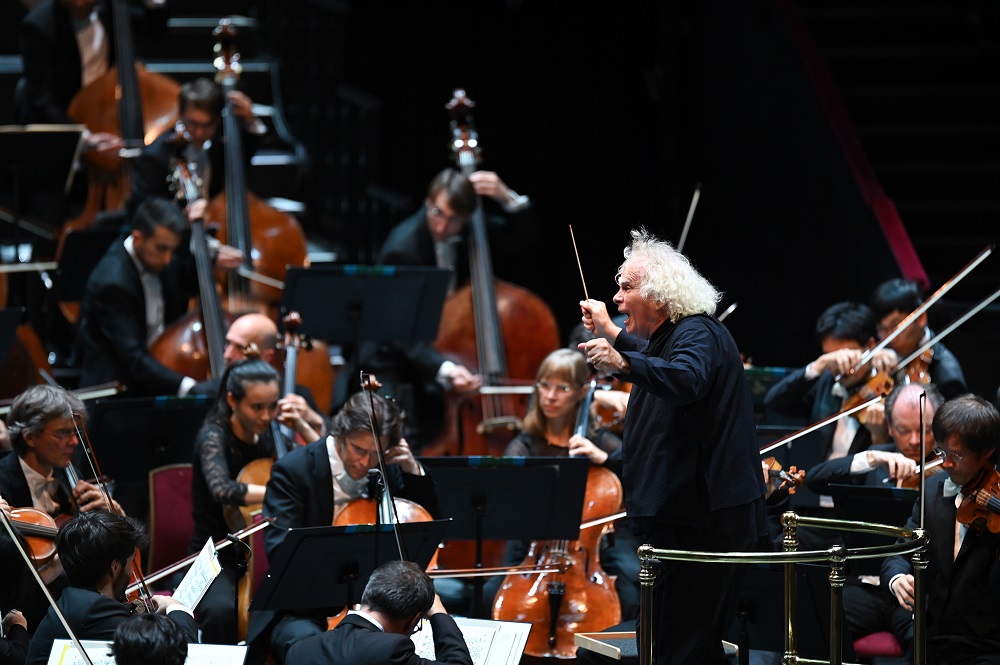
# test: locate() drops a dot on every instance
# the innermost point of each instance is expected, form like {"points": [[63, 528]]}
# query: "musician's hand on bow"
{"points": [[462, 380], [898, 465], [14, 618], [5, 507], [582, 446], [90, 497], [105, 144], [228, 257], [837, 362], [886, 360], [402, 455], [242, 105]]}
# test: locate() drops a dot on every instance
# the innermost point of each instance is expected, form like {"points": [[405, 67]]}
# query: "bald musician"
{"points": [[258, 330]]}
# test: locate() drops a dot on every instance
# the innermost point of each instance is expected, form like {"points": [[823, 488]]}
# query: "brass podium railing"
{"points": [[836, 557]]}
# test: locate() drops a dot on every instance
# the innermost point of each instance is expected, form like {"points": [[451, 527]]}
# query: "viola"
{"points": [[39, 531], [980, 508]]}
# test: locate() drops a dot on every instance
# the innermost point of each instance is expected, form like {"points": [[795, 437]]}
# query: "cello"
{"points": [[580, 598], [269, 240], [128, 101], [503, 330]]}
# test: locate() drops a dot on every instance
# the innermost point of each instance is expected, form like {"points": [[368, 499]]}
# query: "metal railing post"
{"points": [[647, 575], [838, 560], [790, 543], [920, 561]]}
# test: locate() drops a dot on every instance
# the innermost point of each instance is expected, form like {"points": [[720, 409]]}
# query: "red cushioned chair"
{"points": [[170, 520], [882, 644]]}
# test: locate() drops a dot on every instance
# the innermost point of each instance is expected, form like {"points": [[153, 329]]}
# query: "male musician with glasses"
{"points": [[868, 607], [201, 105], [311, 485], [891, 303], [962, 581], [438, 234], [44, 436]]}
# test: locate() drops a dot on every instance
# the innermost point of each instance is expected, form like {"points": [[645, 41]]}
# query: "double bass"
{"points": [[268, 239], [129, 101], [502, 330]]}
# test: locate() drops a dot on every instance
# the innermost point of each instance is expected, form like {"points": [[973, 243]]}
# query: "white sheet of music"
{"points": [[64, 653], [199, 577], [489, 642]]}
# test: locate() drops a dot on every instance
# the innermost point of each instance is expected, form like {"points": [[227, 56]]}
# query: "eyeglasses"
{"points": [[544, 386], [954, 457], [63, 435], [194, 124], [455, 218]]}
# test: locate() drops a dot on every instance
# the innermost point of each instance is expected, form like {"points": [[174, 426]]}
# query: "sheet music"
{"points": [[489, 642], [65, 653], [199, 577]]}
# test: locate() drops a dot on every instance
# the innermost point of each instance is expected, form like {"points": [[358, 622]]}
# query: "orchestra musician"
{"points": [[869, 608], [65, 46], [201, 105], [14, 593], [438, 235], [236, 431], [397, 597], [138, 287], [149, 639], [311, 485], [258, 330], [97, 550], [844, 330], [891, 302], [44, 436], [962, 581], [561, 385], [691, 467]]}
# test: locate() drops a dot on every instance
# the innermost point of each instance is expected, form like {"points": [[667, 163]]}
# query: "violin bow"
{"points": [[915, 314], [947, 330], [95, 467], [370, 384], [817, 425], [41, 584], [690, 217]]}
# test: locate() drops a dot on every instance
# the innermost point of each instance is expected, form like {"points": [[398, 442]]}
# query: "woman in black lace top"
{"points": [[237, 430]]}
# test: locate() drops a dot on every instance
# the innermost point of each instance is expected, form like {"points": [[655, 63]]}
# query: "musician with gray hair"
{"points": [[690, 464]]}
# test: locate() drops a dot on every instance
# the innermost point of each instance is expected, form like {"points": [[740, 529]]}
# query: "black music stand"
{"points": [[354, 303], [133, 435], [329, 566], [508, 498], [865, 503], [37, 159]]}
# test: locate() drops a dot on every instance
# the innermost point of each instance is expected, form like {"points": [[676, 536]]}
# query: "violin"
{"points": [[980, 508], [781, 482], [39, 530]]}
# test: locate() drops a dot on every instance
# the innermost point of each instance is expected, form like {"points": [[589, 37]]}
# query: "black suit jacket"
{"points": [[154, 165], [92, 616], [819, 477], [52, 58], [14, 486], [113, 324], [300, 494], [963, 594], [358, 641]]}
